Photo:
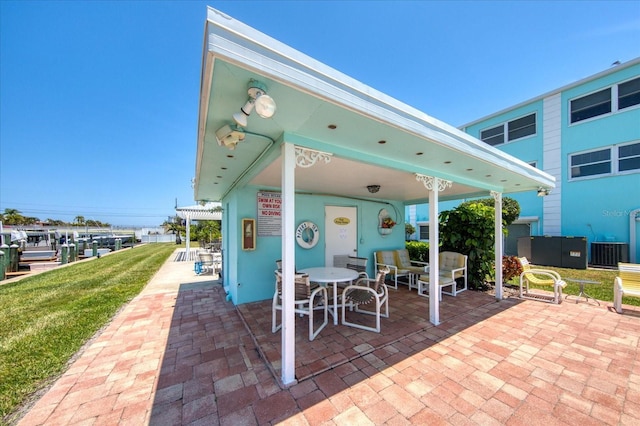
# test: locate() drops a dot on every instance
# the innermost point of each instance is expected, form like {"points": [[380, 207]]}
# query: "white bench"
{"points": [[444, 281]]}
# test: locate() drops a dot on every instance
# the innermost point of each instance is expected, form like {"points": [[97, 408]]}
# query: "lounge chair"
{"points": [[540, 277], [627, 283]]}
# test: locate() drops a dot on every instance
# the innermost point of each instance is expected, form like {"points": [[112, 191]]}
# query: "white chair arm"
{"points": [[547, 272], [618, 283], [453, 271]]}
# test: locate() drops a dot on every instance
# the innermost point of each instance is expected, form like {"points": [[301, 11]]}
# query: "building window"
{"points": [[611, 99], [591, 163], [424, 232], [525, 126], [608, 161], [591, 105], [493, 136], [514, 129], [629, 157], [629, 93]]}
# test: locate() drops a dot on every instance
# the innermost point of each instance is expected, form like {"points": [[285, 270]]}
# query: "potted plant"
{"points": [[388, 223], [386, 226]]}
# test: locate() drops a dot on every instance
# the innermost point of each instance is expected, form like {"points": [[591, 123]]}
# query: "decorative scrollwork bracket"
{"points": [[308, 157], [497, 197], [430, 182]]}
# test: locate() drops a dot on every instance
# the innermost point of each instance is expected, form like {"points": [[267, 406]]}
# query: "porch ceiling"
{"points": [[310, 98]]}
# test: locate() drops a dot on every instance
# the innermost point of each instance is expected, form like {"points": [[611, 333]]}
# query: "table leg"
{"points": [[582, 293], [335, 303]]}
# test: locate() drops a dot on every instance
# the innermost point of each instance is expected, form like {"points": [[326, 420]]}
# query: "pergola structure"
{"points": [[330, 136], [207, 211]]}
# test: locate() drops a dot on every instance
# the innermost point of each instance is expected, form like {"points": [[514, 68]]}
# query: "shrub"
{"points": [[510, 268], [418, 250], [469, 229], [510, 208]]}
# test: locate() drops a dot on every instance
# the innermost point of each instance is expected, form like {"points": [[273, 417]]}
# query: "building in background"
{"points": [[586, 135]]}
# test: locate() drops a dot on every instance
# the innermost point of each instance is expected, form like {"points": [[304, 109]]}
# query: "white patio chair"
{"points": [[363, 292], [308, 298]]}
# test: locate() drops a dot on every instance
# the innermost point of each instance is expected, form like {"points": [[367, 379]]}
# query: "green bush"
{"points": [[511, 268], [469, 229], [418, 250], [510, 208]]}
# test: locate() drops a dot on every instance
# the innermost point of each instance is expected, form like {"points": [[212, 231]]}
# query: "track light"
{"points": [[229, 136], [264, 104]]}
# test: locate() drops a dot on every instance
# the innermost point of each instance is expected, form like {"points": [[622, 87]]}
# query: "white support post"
{"points": [[497, 198], [434, 267], [288, 262], [434, 185], [188, 236]]}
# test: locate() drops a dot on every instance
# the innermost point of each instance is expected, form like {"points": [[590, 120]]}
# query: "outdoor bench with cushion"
{"points": [[452, 266], [399, 265]]}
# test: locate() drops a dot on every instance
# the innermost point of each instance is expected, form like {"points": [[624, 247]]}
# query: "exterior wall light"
{"points": [[264, 104]]}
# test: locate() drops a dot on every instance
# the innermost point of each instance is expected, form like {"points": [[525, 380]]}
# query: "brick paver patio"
{"points": [[181, 354]]}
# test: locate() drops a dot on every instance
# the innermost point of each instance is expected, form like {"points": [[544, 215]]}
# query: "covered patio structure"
{"points": [[325, 140], [205, 211]]}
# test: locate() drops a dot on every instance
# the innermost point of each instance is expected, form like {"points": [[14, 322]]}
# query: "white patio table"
{"points": [[331, 275]]}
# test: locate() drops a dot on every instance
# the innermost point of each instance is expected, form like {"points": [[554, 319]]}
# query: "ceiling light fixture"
{"points": [[264, 104], [373, 188], [229, 136]]}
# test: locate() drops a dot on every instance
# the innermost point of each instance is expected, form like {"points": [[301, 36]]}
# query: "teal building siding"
{"points": [[249, 274], [597, 206]]}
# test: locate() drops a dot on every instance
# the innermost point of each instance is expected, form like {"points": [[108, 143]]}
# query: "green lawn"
{"points": [[46, 318], [603, 292]]}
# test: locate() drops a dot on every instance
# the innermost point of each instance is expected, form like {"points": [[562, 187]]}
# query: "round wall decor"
{"points": [[307, 234]]}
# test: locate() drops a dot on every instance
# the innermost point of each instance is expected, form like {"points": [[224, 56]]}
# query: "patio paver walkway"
{"points": [[179, 353]]}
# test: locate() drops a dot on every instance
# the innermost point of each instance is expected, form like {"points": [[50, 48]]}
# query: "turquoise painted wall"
{"points": [[248, 275], [597, 208], [528, 149]]}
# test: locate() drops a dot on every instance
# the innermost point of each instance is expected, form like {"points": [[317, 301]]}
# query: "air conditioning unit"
{"points": [[609, 254]]}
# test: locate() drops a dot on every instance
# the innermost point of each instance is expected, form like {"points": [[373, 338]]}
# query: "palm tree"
{"points": [[79, 220], [13, 217]]}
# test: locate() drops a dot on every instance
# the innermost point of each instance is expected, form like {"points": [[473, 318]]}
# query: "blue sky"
{"points": [[99, 100]]}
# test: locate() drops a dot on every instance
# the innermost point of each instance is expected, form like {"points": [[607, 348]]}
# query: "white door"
{"points": [[341, 232]]}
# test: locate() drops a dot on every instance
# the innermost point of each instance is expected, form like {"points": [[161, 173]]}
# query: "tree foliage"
{"points": [[15, 217], [510, 208], [469, 229], [409, 230], [206, 231]]}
